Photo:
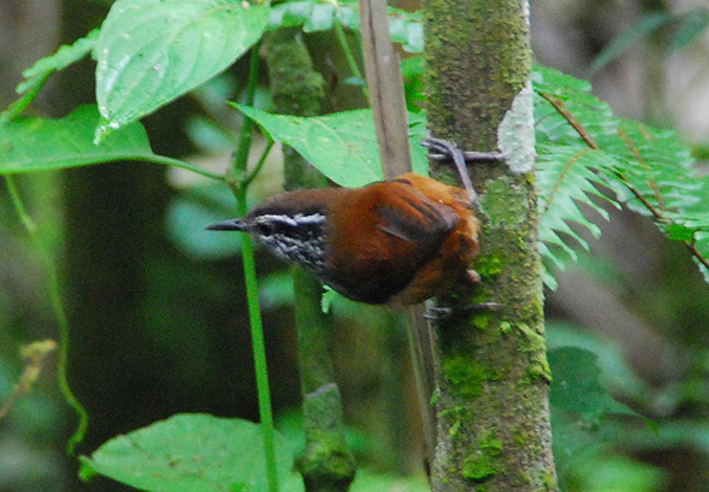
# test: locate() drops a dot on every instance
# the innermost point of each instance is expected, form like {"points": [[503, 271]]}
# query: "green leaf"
{"points": [[65, 56], [556, 92], [36, 75], [412, 68], [655, 165], [702, 244], [153, 51], [678, 232], [566, 176], [551, 81], [569, 172], [406, 27], [697, 220], [618, 375], [39, 144], [576, 384], [192, 452], [343, 146], [648, 169]]}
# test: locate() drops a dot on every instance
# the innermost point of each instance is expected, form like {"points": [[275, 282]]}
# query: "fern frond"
{"points": [[648, 169], [658, 177], [567, 176], [570, 168], [695, 228]]}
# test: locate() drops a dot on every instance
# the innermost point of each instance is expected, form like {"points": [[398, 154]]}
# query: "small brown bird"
{"points": [[393, 242]]}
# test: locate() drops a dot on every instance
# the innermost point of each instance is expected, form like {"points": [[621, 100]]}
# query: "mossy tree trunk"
{"points": [[492, 405]]}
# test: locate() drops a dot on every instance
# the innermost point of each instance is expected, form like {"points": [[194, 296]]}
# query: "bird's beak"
{"points": [[228, 225]]}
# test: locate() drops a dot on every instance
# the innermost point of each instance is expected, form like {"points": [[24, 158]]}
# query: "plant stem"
{"points": [[259, 165], [241, 156], [59, 314], [239, 179], [340, 33], [259, 349]]}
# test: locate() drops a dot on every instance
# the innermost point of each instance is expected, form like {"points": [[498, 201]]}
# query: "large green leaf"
{"points": [[193, 452], [152, 51], [343, 146], [40, 144]]}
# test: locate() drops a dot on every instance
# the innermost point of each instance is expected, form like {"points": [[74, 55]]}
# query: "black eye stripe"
{"points": [[266, 228], [284, 228]]}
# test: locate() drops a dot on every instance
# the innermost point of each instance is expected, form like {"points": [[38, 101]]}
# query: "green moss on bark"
{"points": [[468, 376], [493, 365], [295, 87], [493, 47]]}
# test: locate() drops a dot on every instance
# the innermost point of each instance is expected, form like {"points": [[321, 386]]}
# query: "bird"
{"points": [[397, 242]]}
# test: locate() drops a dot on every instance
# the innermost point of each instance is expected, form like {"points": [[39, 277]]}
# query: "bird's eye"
{"points": [[266, 228]]}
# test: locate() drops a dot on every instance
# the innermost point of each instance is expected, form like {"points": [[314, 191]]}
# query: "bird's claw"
{"points": [[439, 149]]}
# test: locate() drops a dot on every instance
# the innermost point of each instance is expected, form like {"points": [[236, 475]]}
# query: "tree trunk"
{"points": [[493, 378]]}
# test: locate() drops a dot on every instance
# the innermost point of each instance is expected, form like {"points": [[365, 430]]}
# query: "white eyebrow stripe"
{"points": [[298, 219], [310, 219]]}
